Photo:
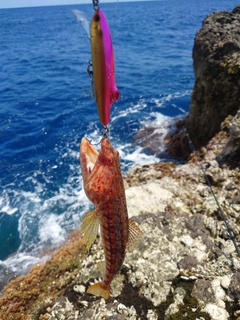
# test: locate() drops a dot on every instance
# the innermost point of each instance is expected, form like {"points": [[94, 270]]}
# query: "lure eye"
{"points": [[97, 18]]}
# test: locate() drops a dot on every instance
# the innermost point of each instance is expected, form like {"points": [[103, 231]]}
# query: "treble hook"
{"points": [[90, 74], [105, 131], [89, 68], [95, 4]]}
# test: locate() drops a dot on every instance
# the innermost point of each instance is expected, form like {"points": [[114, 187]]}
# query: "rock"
{"points": [[179, 295], [216, 95], [225, 281], [168, 272], [216, 312], [231, 151], [203, 291], [219, 293], [154, 138], [80, 289], [151, 198], [183, 265], [234, 287], [188, 262], [63, 310]]}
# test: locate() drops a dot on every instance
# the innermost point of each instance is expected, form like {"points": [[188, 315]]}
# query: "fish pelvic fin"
{"points": [[134, 235], [98, 290], [89, 227]]}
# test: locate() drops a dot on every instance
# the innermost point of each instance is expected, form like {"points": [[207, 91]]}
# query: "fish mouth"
{"points": [[88, 157]]}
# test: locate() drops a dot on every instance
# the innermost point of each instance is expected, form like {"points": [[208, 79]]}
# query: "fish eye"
{"points": [[97, 17]]}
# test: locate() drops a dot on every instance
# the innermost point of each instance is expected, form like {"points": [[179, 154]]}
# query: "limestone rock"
{"points": [[184, 264], [216, 94], [231, 151], [151, 198], [216, 312], [170, 271]]}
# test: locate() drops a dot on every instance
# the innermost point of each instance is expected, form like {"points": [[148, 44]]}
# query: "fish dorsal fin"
{"points": [[134, 235], [89, 227]]}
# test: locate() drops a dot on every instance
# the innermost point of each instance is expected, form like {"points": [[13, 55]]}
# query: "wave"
{"points": [[51, 201]]}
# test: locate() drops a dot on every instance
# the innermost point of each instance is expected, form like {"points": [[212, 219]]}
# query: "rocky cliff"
{"points": [[186, 265], [216, 93]]}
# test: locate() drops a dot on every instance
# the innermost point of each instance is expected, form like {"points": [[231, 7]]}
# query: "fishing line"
{"points": [[229, 230], [115, 11], [112, 31]]}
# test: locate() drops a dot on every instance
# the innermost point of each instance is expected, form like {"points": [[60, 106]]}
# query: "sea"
{"points": [[45, 109]]}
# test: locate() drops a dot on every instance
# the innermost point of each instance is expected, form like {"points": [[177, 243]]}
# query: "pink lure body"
{"points": [[103, 66]]}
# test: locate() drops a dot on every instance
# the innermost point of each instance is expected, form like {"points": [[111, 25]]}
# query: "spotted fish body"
{"points": [[103, 66], [103, 185]]}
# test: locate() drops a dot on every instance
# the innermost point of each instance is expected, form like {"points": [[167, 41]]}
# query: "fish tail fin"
{"points": [[98, 290], [89, 227], [134, 235]]}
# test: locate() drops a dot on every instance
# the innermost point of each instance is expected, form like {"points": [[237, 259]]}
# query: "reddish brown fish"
{"points": [[103, 185]]}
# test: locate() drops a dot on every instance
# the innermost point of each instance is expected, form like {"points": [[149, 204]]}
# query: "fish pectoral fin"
{"points": [[102, 267], [98, 290], [89, 227], [134, 235]]}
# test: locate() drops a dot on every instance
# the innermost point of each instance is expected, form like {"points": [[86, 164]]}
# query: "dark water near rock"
{"points": [[43, 113]]}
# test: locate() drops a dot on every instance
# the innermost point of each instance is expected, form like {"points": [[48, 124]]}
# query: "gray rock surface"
{"points": [[185, 266], [216, 94], [231, 151]]}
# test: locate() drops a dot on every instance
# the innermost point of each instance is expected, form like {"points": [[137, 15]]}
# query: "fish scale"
{"points": [[104, 186]]}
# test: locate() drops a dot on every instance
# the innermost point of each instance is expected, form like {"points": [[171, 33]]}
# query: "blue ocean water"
{"points": [[44, 110]]}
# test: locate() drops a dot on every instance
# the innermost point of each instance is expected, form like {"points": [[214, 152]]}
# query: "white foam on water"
{"points": [[21, 261], [48, 212], [5, 205], [163, 123], [133, 153], [46, 216], [137, 157], [50, 230], [133, 108]]}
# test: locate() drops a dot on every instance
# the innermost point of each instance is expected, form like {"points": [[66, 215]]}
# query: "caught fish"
{"points": [[103, 185], [102, 62]]}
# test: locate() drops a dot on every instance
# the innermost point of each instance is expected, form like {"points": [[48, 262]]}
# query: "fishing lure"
{"points": [[101, 67]]}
